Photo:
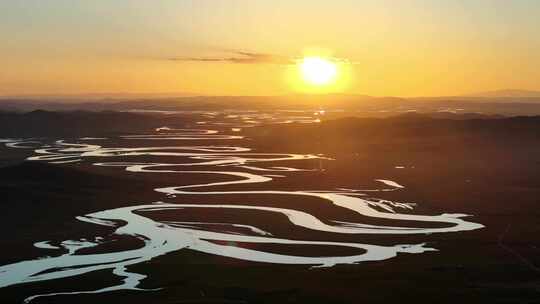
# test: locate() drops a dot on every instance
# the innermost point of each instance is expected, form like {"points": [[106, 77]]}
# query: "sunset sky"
{"points": [[252, 47]]}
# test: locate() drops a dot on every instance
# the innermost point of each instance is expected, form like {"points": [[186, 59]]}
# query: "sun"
{"points": [[318, 71]]}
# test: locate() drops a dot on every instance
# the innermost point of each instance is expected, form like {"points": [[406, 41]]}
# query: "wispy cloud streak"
{"points": [[241, 57]]}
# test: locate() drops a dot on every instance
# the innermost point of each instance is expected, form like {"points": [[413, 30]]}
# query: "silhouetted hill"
{"points": [[508, 93], [77, 123], [205, 103]]}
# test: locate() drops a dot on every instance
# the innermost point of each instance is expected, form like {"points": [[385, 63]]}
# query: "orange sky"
{"points": [[241, 47]]}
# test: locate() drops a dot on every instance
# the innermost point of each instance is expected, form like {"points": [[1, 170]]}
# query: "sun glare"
{"points": [[318, 71]]}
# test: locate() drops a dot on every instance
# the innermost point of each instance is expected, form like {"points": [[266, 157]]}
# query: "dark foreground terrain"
{"points": [[489, 168]]}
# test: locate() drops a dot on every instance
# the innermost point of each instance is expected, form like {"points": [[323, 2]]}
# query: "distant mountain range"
{"points": [[119, 96], [95, 96], [503, 102], [509, 93]]}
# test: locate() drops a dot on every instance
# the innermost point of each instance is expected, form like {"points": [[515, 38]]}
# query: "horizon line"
{"points": [[124, 95]]}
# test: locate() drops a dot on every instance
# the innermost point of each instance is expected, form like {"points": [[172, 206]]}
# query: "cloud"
{"points": [[240, 57]]}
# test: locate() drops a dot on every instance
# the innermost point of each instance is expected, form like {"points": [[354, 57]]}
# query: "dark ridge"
{"points": [[79, 123]]}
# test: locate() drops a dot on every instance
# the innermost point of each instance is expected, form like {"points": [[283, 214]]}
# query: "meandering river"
{"points": [[238, 165]]}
